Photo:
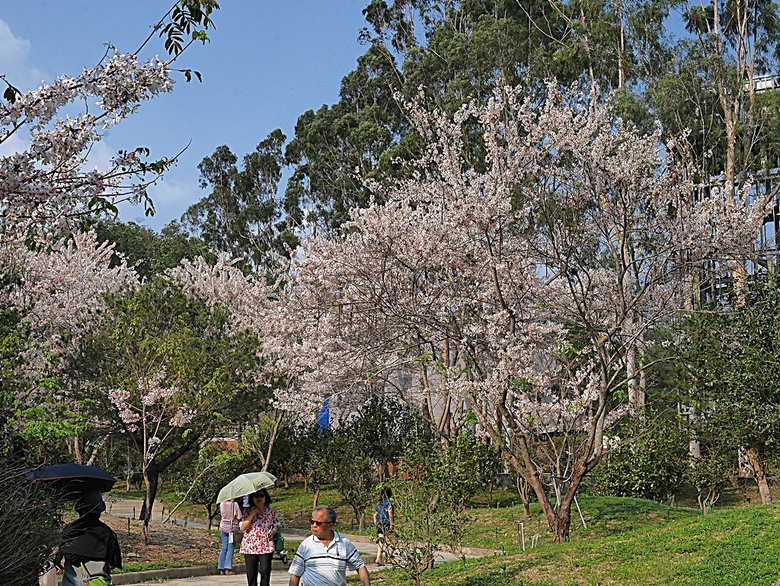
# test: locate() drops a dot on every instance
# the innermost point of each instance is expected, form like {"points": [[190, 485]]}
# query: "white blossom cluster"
{"points": [[255, 307], [56, 287], [470, 276], [59, 285], [153, 404], [224, 285], [44, 186]]}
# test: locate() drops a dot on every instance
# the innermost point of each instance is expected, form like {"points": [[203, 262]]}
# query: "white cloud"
{"points": [[100, 155], [14, 60]]}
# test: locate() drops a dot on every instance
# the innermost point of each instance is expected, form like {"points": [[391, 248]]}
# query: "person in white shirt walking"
{"points": [[322, 558]]}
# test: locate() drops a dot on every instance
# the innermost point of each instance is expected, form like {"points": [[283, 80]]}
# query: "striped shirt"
{"points": [[321, 566]]}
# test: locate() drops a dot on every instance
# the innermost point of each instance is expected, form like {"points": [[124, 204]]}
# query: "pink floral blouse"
{"points": [[257, 539]]}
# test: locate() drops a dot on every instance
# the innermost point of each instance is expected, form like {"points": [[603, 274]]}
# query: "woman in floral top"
{"points": [[260, 525]]}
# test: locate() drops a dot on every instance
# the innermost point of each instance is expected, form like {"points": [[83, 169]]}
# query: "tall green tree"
{"points": [[337, 147], [730, 357], [241, 217], [164, 370], [150, 253]]}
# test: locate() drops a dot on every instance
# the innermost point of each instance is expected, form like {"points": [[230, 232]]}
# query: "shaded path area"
{"points": [[207, 575]]}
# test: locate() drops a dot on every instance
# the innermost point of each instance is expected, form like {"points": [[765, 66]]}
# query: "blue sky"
{"points": [[268, 62]]}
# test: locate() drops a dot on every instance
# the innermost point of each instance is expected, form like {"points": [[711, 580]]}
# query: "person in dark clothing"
{"points": [[89, 541]]}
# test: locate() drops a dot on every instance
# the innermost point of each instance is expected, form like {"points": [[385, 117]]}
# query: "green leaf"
{"points": [[10, 94]]}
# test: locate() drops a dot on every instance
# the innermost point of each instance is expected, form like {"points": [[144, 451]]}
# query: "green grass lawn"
{"points": [[737, 546]]}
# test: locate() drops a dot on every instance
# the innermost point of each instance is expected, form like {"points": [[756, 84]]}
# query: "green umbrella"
{"points": [[244, 485]]}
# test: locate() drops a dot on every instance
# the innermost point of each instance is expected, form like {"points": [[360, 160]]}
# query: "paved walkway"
{"points": [[202, 576]]}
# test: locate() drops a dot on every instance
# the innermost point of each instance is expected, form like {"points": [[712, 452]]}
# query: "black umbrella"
{"points": [[70, 480]]}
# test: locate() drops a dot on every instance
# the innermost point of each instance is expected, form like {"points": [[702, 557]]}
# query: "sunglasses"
{"points": [[319, 523]]}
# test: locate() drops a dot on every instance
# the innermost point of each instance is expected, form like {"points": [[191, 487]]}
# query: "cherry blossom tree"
{"points": [[57, 281], [142, 360], [48, 186], [47, 190], [508, 279], [55, 291], [165, 371], [512, 273]]}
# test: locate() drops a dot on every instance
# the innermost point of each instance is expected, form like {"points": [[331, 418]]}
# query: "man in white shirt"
{"points": [[323, 557]]}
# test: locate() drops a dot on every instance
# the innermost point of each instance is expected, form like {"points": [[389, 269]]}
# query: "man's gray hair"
{"points": [[330, 512]]}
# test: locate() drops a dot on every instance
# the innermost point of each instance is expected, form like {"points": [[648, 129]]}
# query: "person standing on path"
{"points": [[323, 557], [228, 529], [384, 520], [260, 525]]}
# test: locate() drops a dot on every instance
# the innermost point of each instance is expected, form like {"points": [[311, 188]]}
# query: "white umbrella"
{"points": [[245, 484]]}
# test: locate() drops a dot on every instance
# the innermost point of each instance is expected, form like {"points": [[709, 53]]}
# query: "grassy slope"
{"points": [[633, 542]]}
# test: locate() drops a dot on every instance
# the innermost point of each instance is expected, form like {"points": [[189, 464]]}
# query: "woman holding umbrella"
{"points": [[89, 545], [260, 525]]}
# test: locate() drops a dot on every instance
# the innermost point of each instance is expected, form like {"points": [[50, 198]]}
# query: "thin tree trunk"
{"points": [[77, 450], [761, 479], [272, 439], [151, 480], [523, 490], [559, 517]]}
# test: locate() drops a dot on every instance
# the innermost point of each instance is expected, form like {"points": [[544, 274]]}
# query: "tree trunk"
{"points": [[524, 491], [129, 467], [360, 517], [272, 439], [708, 500], [151, 480], [694, 446], [77, 457], [636, 395], [561, 524], [558, 517], [761, 480], [209, 516]]}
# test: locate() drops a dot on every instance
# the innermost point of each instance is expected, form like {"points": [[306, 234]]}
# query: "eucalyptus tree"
{"points": [[241, 215], [736, 42], [335, 147], [450, 54]]}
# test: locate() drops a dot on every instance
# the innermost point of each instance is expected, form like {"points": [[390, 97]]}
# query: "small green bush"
{"points": [[643, 460]]}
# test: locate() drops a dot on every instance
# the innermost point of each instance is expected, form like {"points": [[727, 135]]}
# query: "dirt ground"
{"points": [[171, 543]]}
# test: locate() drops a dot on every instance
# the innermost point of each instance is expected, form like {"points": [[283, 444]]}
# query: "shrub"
{"points": [[644, 460]]}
